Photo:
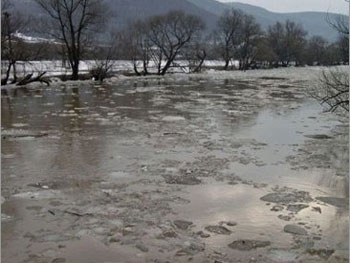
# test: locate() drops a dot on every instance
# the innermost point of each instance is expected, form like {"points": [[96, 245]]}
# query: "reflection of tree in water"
{"points": [[6, 110], [75, 90], [17, 104], [78, 156], [132, 104]]}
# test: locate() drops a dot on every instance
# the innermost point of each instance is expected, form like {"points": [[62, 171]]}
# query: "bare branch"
{"points": [[332, 89]]}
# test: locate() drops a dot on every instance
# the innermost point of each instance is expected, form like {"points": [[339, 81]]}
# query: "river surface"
{"points": [[166, 170]]}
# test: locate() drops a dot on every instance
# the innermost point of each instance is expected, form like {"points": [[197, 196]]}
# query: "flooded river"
{"points": [[193, 169]]}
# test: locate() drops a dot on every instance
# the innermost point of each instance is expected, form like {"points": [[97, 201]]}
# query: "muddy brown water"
{"points": [[99, 173]]}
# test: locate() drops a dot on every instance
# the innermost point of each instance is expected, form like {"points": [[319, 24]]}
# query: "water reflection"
{"points": [[146, 128]]}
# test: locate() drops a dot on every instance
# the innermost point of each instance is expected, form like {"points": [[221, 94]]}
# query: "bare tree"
{"points": [[16, 53], [73, 22], [12, 48], [170, 33], [195, 54], [295, 41], [104, 59], [276, 35], [264, 52], [333, 90], [159, 40], [316, 51], [133, 44], [250, 33], [227, 34], [340, 23], [343, 47], [333, 86], [287, 41]]}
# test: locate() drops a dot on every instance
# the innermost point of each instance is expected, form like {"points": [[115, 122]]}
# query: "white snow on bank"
{"points": [[55, 68], [291, 73], [58, 67]]}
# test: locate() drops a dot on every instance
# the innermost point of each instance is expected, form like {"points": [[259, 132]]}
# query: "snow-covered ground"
{"points": [[56, 68]]}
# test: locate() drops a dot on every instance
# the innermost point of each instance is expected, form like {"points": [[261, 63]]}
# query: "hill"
{"points": [[313, 22], [124, 11]]}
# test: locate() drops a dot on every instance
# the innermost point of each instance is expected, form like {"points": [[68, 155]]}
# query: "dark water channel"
{"points": [[102, 173]]}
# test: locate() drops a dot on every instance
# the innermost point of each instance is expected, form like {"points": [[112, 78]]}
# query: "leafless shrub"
{"points": [[332, 90]]}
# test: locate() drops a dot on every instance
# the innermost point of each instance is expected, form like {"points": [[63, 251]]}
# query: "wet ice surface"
{"points": [[174, 169]]}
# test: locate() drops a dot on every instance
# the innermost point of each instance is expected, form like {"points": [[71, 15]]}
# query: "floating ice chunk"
{"points": [[19, 125], [46, 194], [8, 156], [117, 175], [5, 217], [283, 255], [118, 94], [104, 121], [173, 118]]}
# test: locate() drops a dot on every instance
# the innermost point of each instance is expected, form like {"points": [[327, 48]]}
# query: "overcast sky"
{"points": [[337, 6]]}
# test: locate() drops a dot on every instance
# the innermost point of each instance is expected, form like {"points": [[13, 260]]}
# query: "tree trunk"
{"points": [[160, 63], [14, 72], [166, 67], [241, 64], [4, 81], [145, 70], [29, 79], [135, 69], [75, 70], [227, 62], [199, 67]]}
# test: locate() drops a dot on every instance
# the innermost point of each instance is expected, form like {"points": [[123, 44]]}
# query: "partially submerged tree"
{"points": [[195, 54], [250, 33], [295, 41], [73, 22], [12, 48], [333, 86], [16, 53], [288, 41], [265, 53], [159, 40], [104, 60], [276, 36], [227, 34], [333, 90], [135, 45], [170, 33], [341, 24], [316, 51], [343, 47]]}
